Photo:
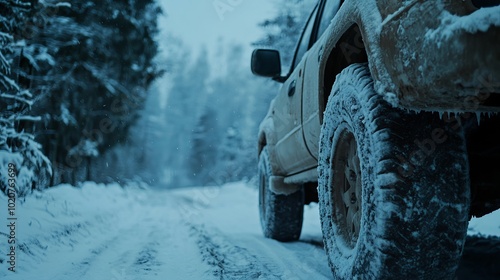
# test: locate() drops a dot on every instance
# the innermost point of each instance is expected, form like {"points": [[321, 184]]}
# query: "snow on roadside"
{"points": [[100, 232], [55, 222], [488, 225]]}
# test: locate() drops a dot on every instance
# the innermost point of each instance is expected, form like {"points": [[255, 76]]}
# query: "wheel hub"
{"points": [[346, 188]]}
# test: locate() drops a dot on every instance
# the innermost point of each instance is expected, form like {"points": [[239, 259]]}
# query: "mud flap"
{"points": [[278, 186]]}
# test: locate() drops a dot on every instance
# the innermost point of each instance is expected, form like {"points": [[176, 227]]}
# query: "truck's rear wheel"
{"points": [[280, 215], [393, 186]]}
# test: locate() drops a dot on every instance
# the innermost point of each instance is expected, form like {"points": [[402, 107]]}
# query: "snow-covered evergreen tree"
{"points": [[96, 80], [283, 31], [203, 148], [18, 147]]}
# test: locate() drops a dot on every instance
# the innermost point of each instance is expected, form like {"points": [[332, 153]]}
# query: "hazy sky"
{"points": [[205, 22]]}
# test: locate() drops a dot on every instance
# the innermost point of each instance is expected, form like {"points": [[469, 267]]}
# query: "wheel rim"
{"points": [[346, 188]]}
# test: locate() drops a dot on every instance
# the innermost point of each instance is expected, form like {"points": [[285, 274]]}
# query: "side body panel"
{"points": [[291, 151]]}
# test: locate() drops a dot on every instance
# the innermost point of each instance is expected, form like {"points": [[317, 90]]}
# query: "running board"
{"points": [[307, 176]]}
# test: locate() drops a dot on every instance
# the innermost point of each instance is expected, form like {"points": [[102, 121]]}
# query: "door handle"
{"points": [[291, 88]]}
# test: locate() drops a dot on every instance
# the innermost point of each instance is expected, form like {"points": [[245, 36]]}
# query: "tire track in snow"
{"points": [[137, 251], [142, 249], [126, 246], [112, 245], [236, 253], [146, 259], [296, 260], [229, 261]]}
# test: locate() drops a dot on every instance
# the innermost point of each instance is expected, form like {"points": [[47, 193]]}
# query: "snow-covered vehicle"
{"points": [[389, 113]]}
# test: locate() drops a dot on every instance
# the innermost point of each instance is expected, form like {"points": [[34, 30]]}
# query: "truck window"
{"points": [[305, 39], [330, 9]]}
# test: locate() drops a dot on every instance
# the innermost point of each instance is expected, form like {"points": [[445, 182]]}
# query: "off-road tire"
{"points": [[415, 195], [281, 215]]}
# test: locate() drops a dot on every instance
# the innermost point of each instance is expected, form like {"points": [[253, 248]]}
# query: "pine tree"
{"points": [[185, 107], [95, 82], [283, 31], [18, 147], [204, 149]]}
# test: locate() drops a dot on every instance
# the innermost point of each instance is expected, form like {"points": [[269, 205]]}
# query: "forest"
{"points": [[86, 94]]}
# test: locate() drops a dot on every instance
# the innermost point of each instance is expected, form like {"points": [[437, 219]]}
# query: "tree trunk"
{"points": [[89, 173]]}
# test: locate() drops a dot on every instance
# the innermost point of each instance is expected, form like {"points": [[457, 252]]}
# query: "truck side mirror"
{"points": [[266, 63]]}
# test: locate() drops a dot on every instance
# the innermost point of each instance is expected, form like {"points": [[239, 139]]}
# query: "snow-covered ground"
{"points": [[110, 232]]}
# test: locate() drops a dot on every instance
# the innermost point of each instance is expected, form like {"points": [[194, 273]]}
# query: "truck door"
{"points": [[291, 148], [310, 105]]}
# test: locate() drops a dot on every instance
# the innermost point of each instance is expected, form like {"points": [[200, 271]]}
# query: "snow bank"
{"points": [[488, 225], [50, 223]]}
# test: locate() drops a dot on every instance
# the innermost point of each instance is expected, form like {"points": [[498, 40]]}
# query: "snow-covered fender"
{"points": [[423, 55], [439, 55], [267, 138]]}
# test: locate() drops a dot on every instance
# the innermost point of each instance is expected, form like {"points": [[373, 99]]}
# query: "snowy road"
{"points": [[97, 232], [109, 233]]}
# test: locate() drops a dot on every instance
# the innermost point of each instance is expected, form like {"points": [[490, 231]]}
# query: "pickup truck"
{"points": [[388, 119]]}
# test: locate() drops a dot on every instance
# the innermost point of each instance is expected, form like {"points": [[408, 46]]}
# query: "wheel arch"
{"points": [[348, 50], [262, 142], [267, 138]]}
